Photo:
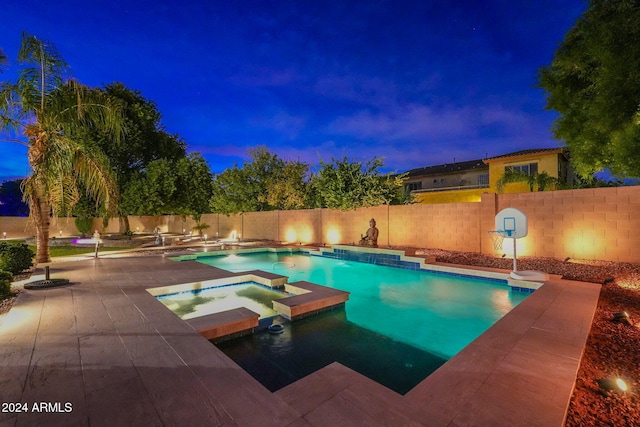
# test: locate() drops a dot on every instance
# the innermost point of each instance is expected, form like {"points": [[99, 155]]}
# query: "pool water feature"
{"points": [[215, 299], [434, 312]]}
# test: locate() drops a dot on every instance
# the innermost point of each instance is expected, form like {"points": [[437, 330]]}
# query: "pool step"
{"points": [[226, 323], [308, 298]]}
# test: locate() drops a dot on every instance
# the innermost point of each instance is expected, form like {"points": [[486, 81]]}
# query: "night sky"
{"points": [[416, 82]]}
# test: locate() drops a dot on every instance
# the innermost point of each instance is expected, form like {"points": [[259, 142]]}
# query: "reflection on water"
{"points": [[255, 297]]}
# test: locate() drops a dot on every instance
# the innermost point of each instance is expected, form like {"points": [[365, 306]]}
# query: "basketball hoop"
{"points": [[497, 237]]}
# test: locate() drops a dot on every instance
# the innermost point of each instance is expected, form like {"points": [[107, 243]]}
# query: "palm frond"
{"points": [[44, 71], [510, 176]]}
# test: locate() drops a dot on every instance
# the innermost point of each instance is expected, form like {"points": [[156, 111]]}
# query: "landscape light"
{"points": [[566, 259], [612, 384], [621, 315], [4, 234]]}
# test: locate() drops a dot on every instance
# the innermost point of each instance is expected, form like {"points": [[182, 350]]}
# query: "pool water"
{"points": [[309, 344], [436, 313], [190, 304]]}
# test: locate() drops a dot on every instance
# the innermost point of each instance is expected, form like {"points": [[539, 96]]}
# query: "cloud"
{"points": [[424, 123]]}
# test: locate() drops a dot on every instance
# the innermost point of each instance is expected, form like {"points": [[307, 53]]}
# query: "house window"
{"points": [[413, 186], [483, 180], [529, 168]]}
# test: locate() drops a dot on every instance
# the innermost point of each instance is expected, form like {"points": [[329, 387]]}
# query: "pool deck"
{"points": [[107, 347]]}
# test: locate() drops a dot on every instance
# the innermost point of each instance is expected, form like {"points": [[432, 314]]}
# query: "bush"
{"points": [[5, 283], [15, 257], [84, 225]]}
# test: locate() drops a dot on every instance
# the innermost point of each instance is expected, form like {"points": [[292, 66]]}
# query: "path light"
{"points": [[60, 233], [4, 235], [612, 384]]}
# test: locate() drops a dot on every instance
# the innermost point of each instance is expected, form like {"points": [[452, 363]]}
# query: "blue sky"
{"points": [[416, 82]]}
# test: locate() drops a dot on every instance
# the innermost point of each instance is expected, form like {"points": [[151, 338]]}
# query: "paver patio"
{"points": [[119, 357]]}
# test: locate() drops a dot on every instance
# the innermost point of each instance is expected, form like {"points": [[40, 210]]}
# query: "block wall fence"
{"points": [[598, 223]]}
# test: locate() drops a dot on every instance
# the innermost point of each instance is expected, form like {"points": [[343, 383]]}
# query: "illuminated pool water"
{"points": [[190, 304], [435, 312]]}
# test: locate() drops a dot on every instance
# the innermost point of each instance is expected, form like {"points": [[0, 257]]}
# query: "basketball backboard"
{"points": [[511, 223]]}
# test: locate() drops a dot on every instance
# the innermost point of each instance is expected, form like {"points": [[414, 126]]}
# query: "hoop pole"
{"points": [[515, 265]]}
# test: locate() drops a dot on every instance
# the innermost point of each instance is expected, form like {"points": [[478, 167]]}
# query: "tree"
{"points": [[145, 140], [264, 183], [289, 187], [151, 191], [346, 185], [194, 182], [537, 181], [165, 187], [52, 113], [594, 83], [231, 194]]}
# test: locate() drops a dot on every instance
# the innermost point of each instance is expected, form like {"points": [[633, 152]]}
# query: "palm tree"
{"points": [[55, 114], [536, 181]]}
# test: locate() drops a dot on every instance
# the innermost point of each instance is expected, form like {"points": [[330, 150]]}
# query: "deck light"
{"points": [[612, 384]]}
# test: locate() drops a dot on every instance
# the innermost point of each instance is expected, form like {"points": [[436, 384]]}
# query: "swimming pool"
{"points": [[438, 313]]}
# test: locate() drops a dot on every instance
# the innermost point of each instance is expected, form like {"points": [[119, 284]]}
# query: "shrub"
{"points": [[5, 283], [15, 257], [200, 227], [84, 225]]}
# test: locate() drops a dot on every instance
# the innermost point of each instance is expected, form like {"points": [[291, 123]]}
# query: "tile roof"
{"points": [[527, 152], [448, 168]]}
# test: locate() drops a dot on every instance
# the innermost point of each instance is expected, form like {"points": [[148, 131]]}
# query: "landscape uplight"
{"points": [[621, 315], [612, 384]]}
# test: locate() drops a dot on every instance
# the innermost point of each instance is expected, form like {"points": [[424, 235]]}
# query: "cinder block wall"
{"points": [[599, 223]]}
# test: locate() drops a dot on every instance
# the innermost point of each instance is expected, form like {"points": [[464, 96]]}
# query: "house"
{"points": [[466, 181]]}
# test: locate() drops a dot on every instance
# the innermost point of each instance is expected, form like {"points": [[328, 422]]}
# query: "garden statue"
{"points": [[371, 237]]}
